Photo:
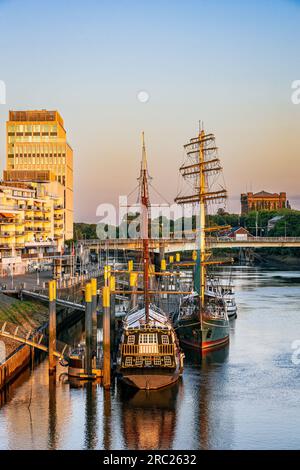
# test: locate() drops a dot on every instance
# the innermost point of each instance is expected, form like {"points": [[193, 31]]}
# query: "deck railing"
{"points": [[139, 349]]}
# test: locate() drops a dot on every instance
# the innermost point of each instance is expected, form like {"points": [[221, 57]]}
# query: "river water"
{"points": [[243, 397]]}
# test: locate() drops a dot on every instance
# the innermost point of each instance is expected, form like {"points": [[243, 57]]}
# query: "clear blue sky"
{"points": [[229, 63]]}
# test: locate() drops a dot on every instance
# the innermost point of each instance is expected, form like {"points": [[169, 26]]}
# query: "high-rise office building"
{"points": [[37, 148]]}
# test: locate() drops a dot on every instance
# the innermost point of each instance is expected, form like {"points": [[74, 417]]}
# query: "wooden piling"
{"points": [[130, 265], [106, 337], [133, 287], [94, 316], [112, 286], [88, 330], [52, 326]]}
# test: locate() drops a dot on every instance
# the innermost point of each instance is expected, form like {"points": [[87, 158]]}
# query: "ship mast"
{"points": [[202, 192], [202, 162], [145, 204]]}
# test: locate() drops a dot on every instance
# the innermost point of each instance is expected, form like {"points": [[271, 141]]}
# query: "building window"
{"points": [[128, 361], [167, 361], [139, 361], [131, 339], [165, 339], [157, 361], [148, 361], [148, 338]]}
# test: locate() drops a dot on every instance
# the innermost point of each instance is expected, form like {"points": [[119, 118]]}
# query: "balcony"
{"points": [[7, 207], [7, 234], [4, 246], [58, 216], [39, 243], [148, 349], [5, 221]]}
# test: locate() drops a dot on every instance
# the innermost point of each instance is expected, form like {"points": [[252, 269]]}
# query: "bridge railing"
{"points": [[255, 239], [124, 241]]}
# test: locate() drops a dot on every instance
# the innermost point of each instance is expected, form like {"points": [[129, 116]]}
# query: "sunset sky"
{"points": [[228, 63]]}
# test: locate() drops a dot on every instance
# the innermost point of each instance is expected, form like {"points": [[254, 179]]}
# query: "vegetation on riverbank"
{"points": [[28, 314]]}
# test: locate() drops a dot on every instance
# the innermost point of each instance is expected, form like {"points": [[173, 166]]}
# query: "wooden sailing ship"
{"points": [[202, 321], [149, 354]]}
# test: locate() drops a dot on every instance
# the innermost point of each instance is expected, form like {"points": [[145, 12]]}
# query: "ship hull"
{"points": [[213, 335], [153, 380]]}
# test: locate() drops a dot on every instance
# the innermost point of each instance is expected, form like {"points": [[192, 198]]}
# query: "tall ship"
{"points": [[149, 355], [202, 319]]}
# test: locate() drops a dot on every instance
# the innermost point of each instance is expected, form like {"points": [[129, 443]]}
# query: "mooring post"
{"points": [[52, 326], [161, 252], [177, 278], [106, 336], [130, 265], [163, 268], [133, 287], [94, 316], [112, 286], [107, 274], [88, 329]]}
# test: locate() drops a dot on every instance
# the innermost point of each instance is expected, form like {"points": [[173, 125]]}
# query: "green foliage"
{"points": [[288, 226], [84, 231]]}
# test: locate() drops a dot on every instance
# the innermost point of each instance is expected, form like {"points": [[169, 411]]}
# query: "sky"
{"points": [[229, 63]]}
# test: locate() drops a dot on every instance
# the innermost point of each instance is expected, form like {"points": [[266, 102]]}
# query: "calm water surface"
{"points": [[244, 397]]}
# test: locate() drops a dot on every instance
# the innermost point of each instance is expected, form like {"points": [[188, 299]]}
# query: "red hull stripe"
{"points": [[207, 344]]}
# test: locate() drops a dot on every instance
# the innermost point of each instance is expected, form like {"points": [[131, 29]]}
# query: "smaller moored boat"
{"points": [[215, 289], [76, 364]]}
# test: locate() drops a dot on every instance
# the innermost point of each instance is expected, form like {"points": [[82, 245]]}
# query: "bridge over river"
{"points": [[172, 245]]}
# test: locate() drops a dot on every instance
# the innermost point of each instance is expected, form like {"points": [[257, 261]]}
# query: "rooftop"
{"points": [[35, 116]]}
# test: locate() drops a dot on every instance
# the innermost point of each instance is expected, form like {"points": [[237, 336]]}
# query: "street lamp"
{"points": [[12, 275], [285, 228], [37, 276]]}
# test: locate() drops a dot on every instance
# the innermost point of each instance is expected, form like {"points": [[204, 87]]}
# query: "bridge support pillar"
{"points": [[52, 326], [88, 330], [106, 338]]}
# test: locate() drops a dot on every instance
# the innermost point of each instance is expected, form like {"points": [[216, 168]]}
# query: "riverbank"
{"points": [[28, 314], [31, 315]]}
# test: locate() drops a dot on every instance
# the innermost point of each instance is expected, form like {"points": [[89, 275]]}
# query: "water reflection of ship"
{"points": [[204, 360], [213, 410], [149, 417]]}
